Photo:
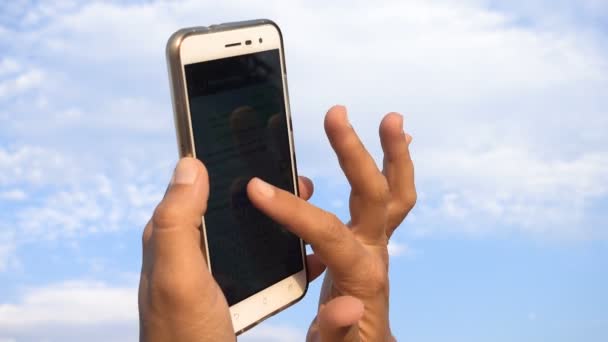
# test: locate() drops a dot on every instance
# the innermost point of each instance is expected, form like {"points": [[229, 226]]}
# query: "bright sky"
{"points": [[508, 106]]}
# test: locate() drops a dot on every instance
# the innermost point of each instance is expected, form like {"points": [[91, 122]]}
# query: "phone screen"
{"points": [[240, 131]]}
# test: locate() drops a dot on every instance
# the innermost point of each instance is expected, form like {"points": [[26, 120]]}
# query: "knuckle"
{"points": [[172, 295], [400, 208], [410, 200], [166, 214], [380, 193], [405, 204]]}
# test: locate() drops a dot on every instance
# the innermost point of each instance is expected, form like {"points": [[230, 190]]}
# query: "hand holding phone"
{"points": [[178, 298]]}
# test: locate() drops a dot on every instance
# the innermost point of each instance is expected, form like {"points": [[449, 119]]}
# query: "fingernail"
{"points": [[401, 122], [344, 112], [346, 115], [185, 172], [263, 188]]}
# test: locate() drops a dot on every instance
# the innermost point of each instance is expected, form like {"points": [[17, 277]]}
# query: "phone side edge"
{"points": [[293, 150], [179, 99], [177, 84]]}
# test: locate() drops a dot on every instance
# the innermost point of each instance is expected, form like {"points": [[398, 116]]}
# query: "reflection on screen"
{"points": [[240, 131]]}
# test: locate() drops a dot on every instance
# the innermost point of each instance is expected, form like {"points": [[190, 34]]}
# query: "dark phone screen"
{"points": [[240, 131]]}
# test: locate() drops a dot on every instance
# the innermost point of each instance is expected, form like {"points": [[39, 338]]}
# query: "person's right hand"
{"points": [[355, 296]]}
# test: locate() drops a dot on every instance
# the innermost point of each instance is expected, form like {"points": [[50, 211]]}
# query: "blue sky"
{"points": [[507, 103]]}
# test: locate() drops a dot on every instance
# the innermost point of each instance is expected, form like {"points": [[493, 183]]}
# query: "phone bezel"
{"points": [[203, 44]]}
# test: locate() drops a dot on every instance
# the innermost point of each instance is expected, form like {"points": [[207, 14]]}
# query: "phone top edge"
{"points": [[176, 77], [179, 35]]}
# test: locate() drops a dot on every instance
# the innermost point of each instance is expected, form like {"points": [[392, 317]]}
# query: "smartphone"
{"points": [[231, 111]]}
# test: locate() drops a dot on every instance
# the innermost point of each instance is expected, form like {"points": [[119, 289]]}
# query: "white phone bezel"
{"points": [[204, 47]]}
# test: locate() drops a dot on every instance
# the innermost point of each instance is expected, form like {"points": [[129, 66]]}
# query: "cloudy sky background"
{"points": [[507, 103]]}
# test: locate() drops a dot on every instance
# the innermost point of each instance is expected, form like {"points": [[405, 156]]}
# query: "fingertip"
{"points": [[260, 189], [338, 108], [305, 187], [341, 312], [276, 121], [185, 199], [242, 117], [392, 123], [306, 180], [186, 171], [189, 173], [336, 116], [192, 162], [357, 307], [314, 267]]}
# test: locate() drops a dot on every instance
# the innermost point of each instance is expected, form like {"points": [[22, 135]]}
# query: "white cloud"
{"points": [[34, 165], [513, 168], [517, 188], [8, 66], [398, 249], [62, 213], [56, 196], [273, 333], [13, 195], [73, 302], [25, 81], [93, 311], [71, 311], [471, 79]]}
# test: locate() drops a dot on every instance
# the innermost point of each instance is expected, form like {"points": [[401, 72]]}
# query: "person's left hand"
{"points": [[178, 298]]}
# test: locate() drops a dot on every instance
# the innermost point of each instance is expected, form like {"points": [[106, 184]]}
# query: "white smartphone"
{"points": [[231, 111]]}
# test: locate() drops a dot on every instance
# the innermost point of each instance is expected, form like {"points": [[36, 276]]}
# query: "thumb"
{"points": [[174, 228], [186, 198], [337, 320]]}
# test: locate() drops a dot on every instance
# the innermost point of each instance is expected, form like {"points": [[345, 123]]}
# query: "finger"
{"points": [[306, 188], [175, 233], [357, 164], [335, 244], [314, 267], [337, 320], [398, 169], [370, 193]]}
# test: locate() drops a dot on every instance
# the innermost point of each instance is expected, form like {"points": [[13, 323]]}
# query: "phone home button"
{"points": [[235, 316]]}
